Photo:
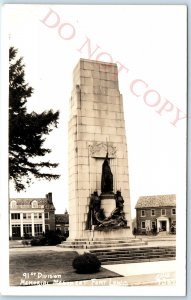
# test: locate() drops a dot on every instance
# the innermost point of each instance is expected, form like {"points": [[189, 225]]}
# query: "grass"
{"points": [[48, 262]]}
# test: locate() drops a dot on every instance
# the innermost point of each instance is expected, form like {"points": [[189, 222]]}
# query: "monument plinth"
{"points": [[98, 165]]}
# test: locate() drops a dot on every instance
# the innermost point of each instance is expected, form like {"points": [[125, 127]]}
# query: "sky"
{"points": [[149, 44]]}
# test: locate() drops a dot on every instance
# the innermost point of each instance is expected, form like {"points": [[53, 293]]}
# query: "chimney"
{"points": [[49, 197]]}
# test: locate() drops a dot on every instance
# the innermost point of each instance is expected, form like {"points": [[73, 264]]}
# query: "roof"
{"points": [[28, 201], [156, 201], [62, 218]]}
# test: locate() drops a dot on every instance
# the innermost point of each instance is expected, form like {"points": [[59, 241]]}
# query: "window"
{"points": [[142, 213], [47, 227], [163, 212], [46, 215], [38, 229], [34, 204], [15, 216], [27, 229], [143, 225], [37, 215], [13, 204], [153, 224], [173, 211], [26, 216], [152, 212]]}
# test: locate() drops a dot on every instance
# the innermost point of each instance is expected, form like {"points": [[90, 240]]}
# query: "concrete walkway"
{"points": [[160, 273]]}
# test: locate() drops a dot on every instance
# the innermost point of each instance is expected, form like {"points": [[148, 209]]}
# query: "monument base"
{"points": [[116, 234], [112, 239]]}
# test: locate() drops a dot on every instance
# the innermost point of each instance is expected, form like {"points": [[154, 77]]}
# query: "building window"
{"points": [[34, 204], [16, 230], [37, 215], [38, 229], [46, 215], [173, 211], [153, 224], [142, 213], [15, 216], [152, 212], [143, 226], [13, 204], [27, 229], [26, 216], [47, 227], [163, 212]]}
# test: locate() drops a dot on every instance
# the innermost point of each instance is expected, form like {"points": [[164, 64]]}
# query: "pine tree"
{"points": [[27, 131]]}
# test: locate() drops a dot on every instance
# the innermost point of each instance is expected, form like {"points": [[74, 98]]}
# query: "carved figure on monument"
{"points": [[107, 177], [94, 207], [114, 221], [95, 202], [117, 217], [119, 201], [97, 217]]}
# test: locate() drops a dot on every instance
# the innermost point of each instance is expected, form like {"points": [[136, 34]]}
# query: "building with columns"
{"points": [[31, 216], [156, 213]]}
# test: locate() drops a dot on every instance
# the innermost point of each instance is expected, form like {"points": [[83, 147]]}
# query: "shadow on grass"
{"points": [[48, 266]]}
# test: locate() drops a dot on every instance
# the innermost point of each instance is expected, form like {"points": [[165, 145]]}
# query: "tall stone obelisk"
{"points": [[96, 126]]}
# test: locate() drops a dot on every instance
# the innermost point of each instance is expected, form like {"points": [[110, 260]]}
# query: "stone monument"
{"points": [[99, 200]]}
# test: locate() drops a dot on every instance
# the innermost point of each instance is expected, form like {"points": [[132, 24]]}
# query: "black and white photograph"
{"points": [[94, 113]]}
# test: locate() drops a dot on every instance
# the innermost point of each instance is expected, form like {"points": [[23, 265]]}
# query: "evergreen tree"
{"points": [[27, 131]]}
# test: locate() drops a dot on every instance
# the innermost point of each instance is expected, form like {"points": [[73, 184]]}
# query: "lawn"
{"points": [[43, 265]]}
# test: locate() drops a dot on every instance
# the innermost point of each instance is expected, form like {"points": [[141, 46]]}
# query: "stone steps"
{"points": [[133, 255], [138, 254], [136, 250], [84, 244], [139, 260]]}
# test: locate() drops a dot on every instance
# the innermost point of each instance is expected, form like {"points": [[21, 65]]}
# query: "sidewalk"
{"points": [[146, 273], [160, 273]]}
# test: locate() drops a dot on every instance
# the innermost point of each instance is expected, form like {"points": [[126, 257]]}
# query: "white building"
{"points": [[31, 216]]}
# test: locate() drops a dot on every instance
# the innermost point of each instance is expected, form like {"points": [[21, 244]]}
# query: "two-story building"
{"points": [[156, 213], [31, 216], [62, 222]]}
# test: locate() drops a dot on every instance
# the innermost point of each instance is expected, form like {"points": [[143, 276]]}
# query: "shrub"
{"points": [[38, 241], [50, 239], [86, 263], [54, 240], [35, 242], [25, 243]]}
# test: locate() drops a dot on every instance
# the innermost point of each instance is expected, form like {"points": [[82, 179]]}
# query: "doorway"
{"points": [[163, 225], [16, 231]]}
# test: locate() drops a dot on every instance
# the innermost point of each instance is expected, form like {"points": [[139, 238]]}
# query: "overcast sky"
{"points": [[150, 43]]}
